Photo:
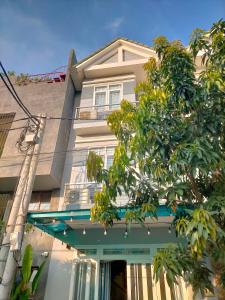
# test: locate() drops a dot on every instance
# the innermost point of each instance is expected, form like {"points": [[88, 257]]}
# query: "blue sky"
{"points": [[36, 35]]}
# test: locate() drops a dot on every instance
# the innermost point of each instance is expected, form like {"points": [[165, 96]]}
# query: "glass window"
{"points": [[108, 97], [114, 99], [100, 97], [40, 201]]}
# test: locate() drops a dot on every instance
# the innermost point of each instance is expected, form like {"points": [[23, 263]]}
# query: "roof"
{"points": [[107, 45]]}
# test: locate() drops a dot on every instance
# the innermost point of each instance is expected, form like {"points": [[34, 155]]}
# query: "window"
{"points": [[4, 204], [127, 251], [40, 201], [106, 154], [5, 123], [107, 97], [100, 97]]}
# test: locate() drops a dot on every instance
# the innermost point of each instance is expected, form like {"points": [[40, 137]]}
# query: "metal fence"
{"points": [[96, 112]]}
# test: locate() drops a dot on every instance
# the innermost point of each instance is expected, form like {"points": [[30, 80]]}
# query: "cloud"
{"points": [[115, 24]]}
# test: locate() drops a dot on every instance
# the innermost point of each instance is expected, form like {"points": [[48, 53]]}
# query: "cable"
{"points": [[16, 97], [13, 121], [3, 130], [18, 101]]}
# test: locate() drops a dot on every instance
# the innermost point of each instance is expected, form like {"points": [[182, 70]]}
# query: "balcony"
{"points": [[96, 112], [81, 195], [92, 120]]}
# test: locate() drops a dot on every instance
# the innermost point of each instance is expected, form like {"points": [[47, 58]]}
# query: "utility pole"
{"points": [[15, 210], [19, 213]]}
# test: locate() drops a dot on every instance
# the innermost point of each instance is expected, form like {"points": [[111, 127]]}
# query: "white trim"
{"points": [[144, 55], [103, 139], [105, 50], [109, 79], [106, 56], [120, 54]]}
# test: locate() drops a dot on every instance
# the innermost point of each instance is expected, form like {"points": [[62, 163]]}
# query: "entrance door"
{"points": [[113, 280], [118, 280]]}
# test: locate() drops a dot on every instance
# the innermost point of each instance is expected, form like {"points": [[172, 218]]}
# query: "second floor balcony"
{"points": [[96, 112], [81, 195], [92, 119]]}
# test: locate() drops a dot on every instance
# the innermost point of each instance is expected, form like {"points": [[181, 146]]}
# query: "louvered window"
{"points": [[5, 124]]}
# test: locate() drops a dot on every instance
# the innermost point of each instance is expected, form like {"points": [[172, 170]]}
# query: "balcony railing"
{"points": [[82, 195], [96, 112]]}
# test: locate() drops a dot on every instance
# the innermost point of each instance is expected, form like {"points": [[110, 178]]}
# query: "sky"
{"points": [[37, 35]]}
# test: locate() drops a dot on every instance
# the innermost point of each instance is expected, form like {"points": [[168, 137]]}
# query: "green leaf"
{"points": [[27, 263], [37, 277]]}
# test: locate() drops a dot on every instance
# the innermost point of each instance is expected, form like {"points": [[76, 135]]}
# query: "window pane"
{"points": [[34, 206], [100, 89], [100, 99], [45, 206], [109, 161], [110, 150], [114, 99], [115, 87]]}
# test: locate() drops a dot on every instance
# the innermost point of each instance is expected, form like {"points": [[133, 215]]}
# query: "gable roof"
{"points": [[109, 44]]}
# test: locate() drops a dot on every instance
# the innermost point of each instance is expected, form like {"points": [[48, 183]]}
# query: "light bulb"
{"points": [[149, 231], [169, 230], [84, 231], [53, 221], [64, 232], [71, 220], [105, 232]]}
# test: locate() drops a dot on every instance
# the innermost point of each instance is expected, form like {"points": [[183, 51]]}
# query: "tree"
{"points": [[171, 146], [23, 288]]}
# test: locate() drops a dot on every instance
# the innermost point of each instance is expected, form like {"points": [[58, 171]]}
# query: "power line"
{"points": [[3, 130], [13, 121], [16, 97]]}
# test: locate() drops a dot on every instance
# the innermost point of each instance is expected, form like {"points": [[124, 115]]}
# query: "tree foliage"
{"points": [[171, 146]]}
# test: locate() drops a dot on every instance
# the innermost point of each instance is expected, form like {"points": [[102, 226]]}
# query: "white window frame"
{"points": [[108, 90], [102, 151]]}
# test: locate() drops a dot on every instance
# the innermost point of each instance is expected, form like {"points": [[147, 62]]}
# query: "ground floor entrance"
{"points": [[113, 280], [122, 280]]}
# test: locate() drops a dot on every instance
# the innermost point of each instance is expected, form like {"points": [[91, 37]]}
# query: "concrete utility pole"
{"points": [[15, 210], [19, 213]]}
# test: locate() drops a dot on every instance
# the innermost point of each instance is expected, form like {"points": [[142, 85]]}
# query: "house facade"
{"points": [[85, 260]]}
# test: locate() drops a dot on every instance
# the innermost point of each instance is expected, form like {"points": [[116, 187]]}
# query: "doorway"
{"points": [[113, 280], [118, 280]]}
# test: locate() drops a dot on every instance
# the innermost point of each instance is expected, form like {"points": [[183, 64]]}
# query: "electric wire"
{"points": [[16, 97], [11, 129]]}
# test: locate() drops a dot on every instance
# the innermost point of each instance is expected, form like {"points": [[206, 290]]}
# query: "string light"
{"points": [[84, 231], [105, 232], [149, 231], [64, 232], [71, 220], [53, 221]]}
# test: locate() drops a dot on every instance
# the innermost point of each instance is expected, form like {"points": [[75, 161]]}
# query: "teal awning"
{"points": [[58, 223]]}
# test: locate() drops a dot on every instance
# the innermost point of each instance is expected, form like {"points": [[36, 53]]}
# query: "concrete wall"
{"points": [[55, 99]]}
